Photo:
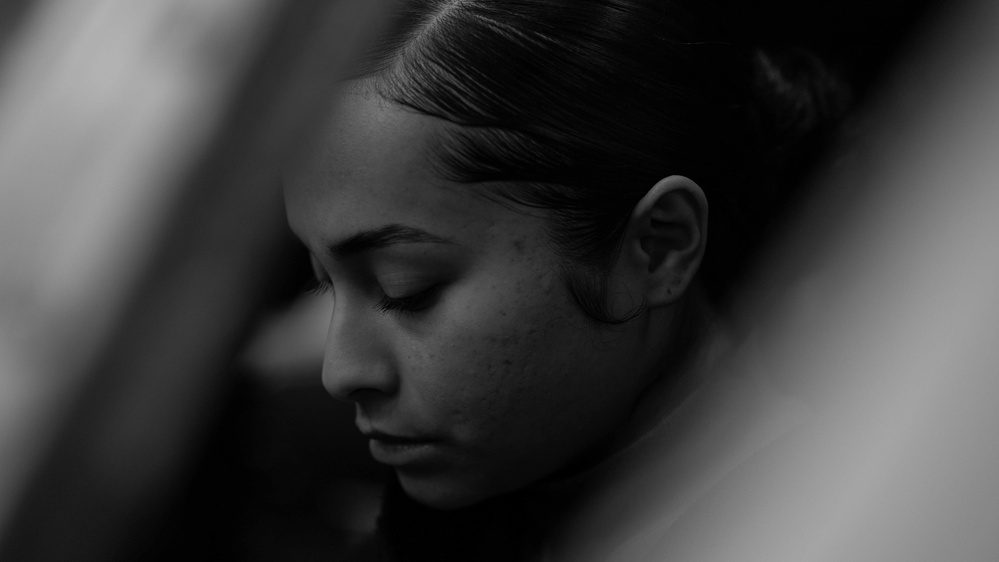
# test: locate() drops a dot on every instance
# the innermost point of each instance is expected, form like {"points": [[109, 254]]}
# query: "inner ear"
{"points": [[668, 231]]}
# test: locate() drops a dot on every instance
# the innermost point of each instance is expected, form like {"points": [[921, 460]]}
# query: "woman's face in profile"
{"points": [[472, 369]]}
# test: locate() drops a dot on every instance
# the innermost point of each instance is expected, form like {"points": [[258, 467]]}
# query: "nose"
{"points": [[358, 361]]}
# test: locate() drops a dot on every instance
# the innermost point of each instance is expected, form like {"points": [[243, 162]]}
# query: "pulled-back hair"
{"points": [[578, 107]]}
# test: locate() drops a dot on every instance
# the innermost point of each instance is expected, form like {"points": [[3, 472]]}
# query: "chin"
{"points": [[439, 493]]}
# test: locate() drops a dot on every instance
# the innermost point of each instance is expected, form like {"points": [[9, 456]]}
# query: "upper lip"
{"points": [[389, 438]]}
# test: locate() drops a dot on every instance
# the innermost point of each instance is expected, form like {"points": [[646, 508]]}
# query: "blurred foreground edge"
{"points": [[142, 228], [881, 304]]}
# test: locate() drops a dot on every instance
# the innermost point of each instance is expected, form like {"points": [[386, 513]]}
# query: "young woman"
{"points": [[510, 208]]}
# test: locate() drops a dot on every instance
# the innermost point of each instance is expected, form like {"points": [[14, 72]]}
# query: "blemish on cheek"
{"points": [[519, 246]]}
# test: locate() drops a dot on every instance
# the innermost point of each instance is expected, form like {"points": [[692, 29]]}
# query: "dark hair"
{"points": [[578, 107]]}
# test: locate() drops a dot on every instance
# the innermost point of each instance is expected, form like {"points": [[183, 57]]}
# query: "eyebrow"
{"points": [[388, 235]]}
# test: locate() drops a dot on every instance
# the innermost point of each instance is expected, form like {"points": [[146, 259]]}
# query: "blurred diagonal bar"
{"points": [[140, 224], [883, 304]]}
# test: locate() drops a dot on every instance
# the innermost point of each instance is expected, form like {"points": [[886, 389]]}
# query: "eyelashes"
{"points": [[405, 305], [409, 304]]}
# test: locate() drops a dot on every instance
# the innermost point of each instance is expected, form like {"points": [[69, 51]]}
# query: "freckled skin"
{"points": [[503, 370]]}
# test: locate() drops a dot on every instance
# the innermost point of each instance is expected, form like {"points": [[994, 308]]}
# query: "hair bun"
{"points": [[795, 108], [799, 104]]}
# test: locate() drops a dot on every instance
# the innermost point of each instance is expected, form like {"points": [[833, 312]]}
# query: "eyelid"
{"points": [[411, 303], [407, 281]]}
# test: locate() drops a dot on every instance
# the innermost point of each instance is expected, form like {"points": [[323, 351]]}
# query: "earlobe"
{"points": [[666, 236]]}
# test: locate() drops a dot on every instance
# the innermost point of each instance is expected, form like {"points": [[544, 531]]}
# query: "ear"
{"points": [[665, 239]]}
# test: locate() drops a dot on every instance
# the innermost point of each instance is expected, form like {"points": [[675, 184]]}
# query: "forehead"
{"points": [[371, 167]]}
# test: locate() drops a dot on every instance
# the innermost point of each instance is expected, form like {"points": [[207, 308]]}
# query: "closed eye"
{"points": [[409, 304]]}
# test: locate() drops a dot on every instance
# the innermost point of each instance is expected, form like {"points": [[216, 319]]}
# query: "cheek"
{"points": [[502, 359]]}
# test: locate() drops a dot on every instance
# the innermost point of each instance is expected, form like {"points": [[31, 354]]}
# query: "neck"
{"points": [[697, 342]]}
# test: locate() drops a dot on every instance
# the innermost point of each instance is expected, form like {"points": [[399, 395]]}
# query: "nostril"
{"points": [[366, 396]]}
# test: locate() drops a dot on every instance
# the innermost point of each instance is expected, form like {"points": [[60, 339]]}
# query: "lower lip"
{"points": [[397, 454]]}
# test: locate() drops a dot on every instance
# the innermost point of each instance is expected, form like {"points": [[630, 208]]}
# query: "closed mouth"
{"points": [[396, 439], [399, 451]]}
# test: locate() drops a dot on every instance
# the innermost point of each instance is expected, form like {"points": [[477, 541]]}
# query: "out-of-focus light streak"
{"points": [[140, 227], [883, 304], [104, 105]]}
